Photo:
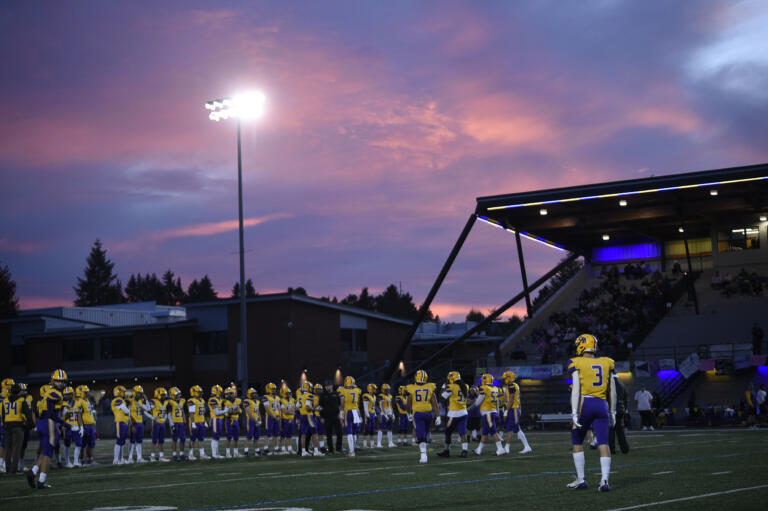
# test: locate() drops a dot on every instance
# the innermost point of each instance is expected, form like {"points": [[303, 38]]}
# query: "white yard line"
{"points": [[662, 473], [448, 473], [693, 497], [499, 473], [403, 473], [721, 473]]}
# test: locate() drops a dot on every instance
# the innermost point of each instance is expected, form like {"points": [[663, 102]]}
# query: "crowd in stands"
{"points": [[744, 283], [624, 303]]}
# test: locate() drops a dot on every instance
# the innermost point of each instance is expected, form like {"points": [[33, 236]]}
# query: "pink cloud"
{"points": [[22, 247], [42, 302], [201, 229]]}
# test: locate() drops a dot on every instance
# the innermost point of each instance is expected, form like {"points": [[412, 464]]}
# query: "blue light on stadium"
{"points": [[626, 252], [667, 374]]}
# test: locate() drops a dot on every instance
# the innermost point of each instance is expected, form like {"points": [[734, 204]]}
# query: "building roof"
{"points": [[357, 311], [576, 218]]}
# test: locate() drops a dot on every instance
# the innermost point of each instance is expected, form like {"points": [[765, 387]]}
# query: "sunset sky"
{"points": [[384, 122]]}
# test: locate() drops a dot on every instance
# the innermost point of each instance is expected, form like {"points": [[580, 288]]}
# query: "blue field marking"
{"points": [[473, 481]]}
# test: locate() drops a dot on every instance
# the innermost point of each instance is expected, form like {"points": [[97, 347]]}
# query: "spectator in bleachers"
{"points": [[716, 282]]}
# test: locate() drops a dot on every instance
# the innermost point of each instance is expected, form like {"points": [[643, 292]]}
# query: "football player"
{"points": [[5, 391], [304, 403], [46, 429], [320, 425], [593, 388], [138, 406], [15, 417], [369, 411], [88, 415], [488, 402], [73, 417], [455, 392], [272, 411], [402, 416], [233, 410], [159, 407], [216, 415], [253, 416], [288, 415], [387, 417], [350, 408], [422, 406], [474, 417], [196, 410], [176, 405], [122, 414], [512, 412]]}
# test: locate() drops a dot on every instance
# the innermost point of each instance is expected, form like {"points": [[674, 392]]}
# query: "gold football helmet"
{"points": [[508, 377], [349, 381], [586, 343], [421, 376]]}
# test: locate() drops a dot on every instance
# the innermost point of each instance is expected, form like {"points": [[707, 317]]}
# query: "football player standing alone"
{"points": [[593, 388], [512, 413], [422, 405]]}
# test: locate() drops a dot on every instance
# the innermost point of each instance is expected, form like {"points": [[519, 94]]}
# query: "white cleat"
{"points": [[228, 455], [128, 461], [500, 452], [117, 462], [191, 457], [205, 457], [526, 450], [152, 460], [305, 452], [69, 465], [164, 460], [351, 454], [477, 452], [392, 445], [506, 448], [423, 458], [316, 453], [77, 465], [141, 460], [578, 484], [379, 446]]}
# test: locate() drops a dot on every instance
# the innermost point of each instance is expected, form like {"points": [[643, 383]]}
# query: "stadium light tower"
{"points": [[246, 107]]}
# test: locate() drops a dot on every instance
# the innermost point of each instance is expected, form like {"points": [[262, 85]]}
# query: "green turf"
{"points": [[382, 479]]}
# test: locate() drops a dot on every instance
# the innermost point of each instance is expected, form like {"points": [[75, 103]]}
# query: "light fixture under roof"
{"points": [[606, 237], [680, 229], [543, 211], [713, 192], [763, 218], [623, 202]]}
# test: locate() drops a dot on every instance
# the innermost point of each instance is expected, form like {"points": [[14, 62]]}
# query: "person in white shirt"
{"points": [[643, 403], [761, 404]]}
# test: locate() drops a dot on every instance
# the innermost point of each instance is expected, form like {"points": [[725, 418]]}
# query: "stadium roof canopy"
{"points": [[576, 218]]}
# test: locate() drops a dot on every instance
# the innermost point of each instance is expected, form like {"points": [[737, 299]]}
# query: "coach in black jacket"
{"points": [[330, 403], [617, 431]]}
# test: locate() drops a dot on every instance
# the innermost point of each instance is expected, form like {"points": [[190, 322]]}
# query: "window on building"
{"points": [[740, 238], [78, 349], [119, 346], [354, 339], [211, 343]]}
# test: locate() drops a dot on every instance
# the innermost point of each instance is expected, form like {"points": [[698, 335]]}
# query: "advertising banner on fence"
{"points": [[622, 366], [667, 364], [689, 366], [642, 368]]}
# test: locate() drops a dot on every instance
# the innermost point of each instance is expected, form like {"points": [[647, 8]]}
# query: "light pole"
{"points": [[246, 106]]}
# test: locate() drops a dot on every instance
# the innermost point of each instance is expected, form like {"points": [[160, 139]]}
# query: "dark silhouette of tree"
{"points": [[100, 286], [201, 291], [145, 289], [249, 289], [475, 316], [392, 302], [297, 291], [173, 293], [9, 304]]}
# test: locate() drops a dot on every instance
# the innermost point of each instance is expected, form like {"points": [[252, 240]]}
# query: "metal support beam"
{"points": [[691, 287], [497, 312], [431, 296], [523, 274]]}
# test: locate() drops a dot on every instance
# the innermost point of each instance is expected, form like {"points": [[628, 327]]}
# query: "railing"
{"points": [[704, 351]]}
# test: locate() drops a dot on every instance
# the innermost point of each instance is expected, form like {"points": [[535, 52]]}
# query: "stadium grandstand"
{"points": [[668, 271]]}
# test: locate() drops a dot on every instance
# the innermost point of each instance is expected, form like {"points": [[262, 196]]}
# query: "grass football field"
{"points": [[680, 470]]}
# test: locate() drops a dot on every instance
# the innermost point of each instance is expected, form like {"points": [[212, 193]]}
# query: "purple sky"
{"points": [[385, 120]]}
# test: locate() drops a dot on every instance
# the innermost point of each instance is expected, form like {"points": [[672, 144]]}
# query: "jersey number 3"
{"points": [[598, 376]]}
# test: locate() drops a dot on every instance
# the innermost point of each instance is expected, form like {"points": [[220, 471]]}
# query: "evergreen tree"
{"points": [[201, 291], [249, 289], [100, 286], [475, 316], [392, 302], [9, 304], [145, 289], [173, 293], [297, 291]]}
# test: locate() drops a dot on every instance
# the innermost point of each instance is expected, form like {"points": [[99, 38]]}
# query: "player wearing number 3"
{"points": [[422, 405], [593, 388]]}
